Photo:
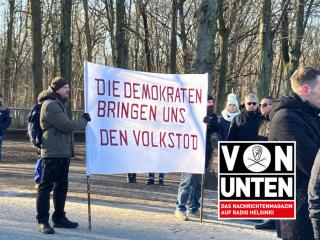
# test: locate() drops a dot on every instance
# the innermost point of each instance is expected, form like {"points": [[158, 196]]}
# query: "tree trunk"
{"points": [[224, 33], [265, 49], [296, 48], [143, 12], [136, 40], [299, 31], [301, 21], [8, 54], [37, 48], [110, 17], [87, 31], [183, 39], [121, 46], [204, 55], [285, 45], [173, 42], [66, 45]]}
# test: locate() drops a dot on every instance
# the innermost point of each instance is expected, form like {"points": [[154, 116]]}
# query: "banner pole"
{"points": [[202, 194], [89, 202]]}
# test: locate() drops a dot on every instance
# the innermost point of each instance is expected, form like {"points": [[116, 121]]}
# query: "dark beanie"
{"points": [[210, 97], [57, 83]]}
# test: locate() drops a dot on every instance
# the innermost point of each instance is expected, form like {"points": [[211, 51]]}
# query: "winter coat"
{"points": [[264, 126], [224, 124], [5, 119], [57, 138], [212, 127], [314, 197], [223, 130], [245, 126], [295, 120]]}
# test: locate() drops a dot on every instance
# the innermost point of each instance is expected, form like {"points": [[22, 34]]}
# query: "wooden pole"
{"points": [[202, 193], [89, 203]]}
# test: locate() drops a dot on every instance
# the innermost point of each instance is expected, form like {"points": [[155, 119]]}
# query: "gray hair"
{"points": [[250, 96]]}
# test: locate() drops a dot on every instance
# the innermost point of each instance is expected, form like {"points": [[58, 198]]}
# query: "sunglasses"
{"points": [[251, 103], [264, 104]]}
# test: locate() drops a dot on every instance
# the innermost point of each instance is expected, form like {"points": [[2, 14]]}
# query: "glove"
{"points": [[207, 119], [87, 117]]}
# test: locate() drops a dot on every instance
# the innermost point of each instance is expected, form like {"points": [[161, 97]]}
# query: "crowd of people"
{"points": [[291, 118]]}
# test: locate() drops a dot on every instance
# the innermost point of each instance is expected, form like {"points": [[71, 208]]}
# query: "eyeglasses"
{"points": [[264, 104], [251, 103]]}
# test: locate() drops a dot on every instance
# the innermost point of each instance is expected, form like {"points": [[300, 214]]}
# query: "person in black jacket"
{"points": [[296, 118], [265, 108], [5, 121], [230, 111], [212, 126], [263, 132], [245, 126], [190, 184], [314, 197]]}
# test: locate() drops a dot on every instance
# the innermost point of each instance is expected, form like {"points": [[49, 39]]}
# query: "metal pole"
{"points": [[202, 194], [89, 203]]}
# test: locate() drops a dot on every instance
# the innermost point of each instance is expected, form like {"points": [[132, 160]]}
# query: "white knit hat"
{"points": [[232, 99]]}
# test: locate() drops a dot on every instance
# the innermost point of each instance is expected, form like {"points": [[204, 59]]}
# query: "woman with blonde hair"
{"points": [[228, 113]]}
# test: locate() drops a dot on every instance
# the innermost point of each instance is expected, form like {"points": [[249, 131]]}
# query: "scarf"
{"points": [[228, 116]]}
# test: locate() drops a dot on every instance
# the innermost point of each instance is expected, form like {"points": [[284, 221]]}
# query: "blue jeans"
{"points": [[1, 139], [189, 191], [161, 176]]}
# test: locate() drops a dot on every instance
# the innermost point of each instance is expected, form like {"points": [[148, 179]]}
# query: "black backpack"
{"points": [[34, 129]]}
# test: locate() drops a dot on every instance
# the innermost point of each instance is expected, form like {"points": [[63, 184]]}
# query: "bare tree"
{"points": [[87, 31], [111, 20], [183, 38], [173, 52], [65, 43], [300, 25], [265, 53], [204, 55], [121, 46], [143, 11], [224, 34], [36, 48], [8, 53]]}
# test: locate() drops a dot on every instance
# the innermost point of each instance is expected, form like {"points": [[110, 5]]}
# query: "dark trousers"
{"points": [[161, 176], [132, 176], [54, 177]]}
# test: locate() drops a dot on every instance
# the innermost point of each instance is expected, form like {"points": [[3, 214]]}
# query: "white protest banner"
{"points": [[144, 122]]}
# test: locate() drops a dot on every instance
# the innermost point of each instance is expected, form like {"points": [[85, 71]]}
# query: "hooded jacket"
{"points": [[57, 139], [295, 120]]}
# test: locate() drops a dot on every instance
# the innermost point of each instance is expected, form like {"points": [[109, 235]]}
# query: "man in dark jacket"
{"points": [[296, 118], [5, 121], [265, 108], [263, 132], [314, 197], [190, 184], [56, 150], [244, 127]]}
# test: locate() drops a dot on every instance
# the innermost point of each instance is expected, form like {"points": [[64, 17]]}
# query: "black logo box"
{"points": [[239, 166], [261, 188]]}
